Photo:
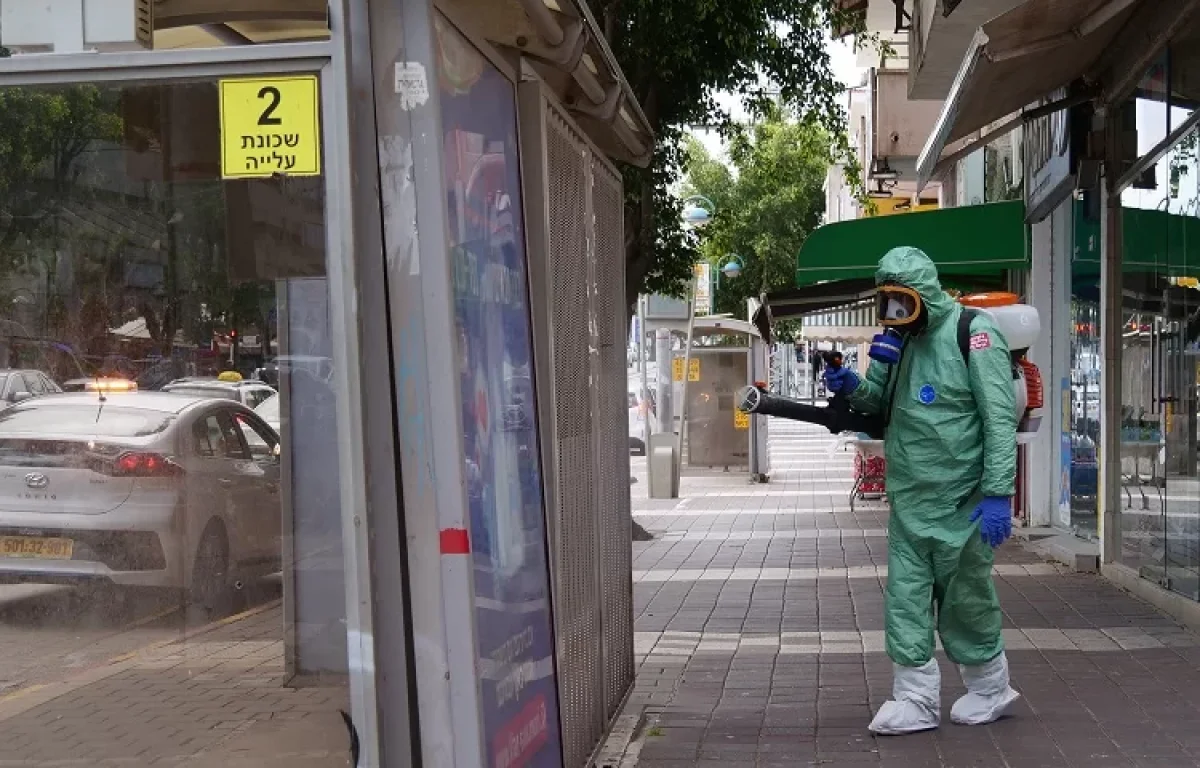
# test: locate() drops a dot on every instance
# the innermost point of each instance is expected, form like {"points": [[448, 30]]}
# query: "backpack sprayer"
{"points": [[1018, 323]]}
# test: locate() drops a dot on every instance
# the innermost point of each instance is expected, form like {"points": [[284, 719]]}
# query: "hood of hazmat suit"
{"points": [[950, 441]]}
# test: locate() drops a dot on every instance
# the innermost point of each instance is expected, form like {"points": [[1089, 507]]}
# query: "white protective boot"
{"points": [[916, 703], [988, 693]]}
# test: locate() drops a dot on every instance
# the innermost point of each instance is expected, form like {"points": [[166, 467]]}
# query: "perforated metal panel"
{"points": [[616, 598], [577, 550]]}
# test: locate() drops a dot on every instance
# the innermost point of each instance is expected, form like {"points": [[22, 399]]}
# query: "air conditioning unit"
{"points": [[899, 126], [72, 26]]}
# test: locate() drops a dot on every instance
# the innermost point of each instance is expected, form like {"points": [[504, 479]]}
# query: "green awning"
{"points": [[1154, 241], [972, 240]]}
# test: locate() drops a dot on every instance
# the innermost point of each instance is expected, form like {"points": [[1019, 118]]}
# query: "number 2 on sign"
{"points": [[268, 115]]}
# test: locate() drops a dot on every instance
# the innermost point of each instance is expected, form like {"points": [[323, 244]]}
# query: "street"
{"points": [[759, 618]]}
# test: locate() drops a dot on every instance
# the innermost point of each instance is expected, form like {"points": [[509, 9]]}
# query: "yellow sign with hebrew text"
{"points": [[270, 126], [693, 369]]}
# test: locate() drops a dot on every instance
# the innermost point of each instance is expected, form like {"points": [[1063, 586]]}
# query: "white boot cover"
{"points": [[916, 701], [988, 693]]}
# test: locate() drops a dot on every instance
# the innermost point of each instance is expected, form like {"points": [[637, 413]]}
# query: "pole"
{"points": [[687, 366], [643, 396], [1112, 324], [662, 343]]}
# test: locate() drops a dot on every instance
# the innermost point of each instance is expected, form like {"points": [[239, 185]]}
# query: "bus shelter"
{"points": [[726, 355]]}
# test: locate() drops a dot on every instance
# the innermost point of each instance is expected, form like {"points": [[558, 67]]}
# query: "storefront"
{"points": [[1150, 228], [292, 270]]}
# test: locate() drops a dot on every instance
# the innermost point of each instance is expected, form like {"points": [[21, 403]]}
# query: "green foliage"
{"points": [[62, 167], [676, 55], [42, 132], [997, 176], [767, 204]]}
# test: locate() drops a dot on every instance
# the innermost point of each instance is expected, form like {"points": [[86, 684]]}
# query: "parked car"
{"points": [[268, 411], [141, 490], [17, 385], [248, 392], [320, 367]]}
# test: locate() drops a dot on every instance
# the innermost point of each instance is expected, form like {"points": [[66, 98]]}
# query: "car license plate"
{"points": [[46, 549]]}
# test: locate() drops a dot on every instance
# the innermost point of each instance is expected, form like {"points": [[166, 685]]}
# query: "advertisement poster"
{"points": [[499, 415]]}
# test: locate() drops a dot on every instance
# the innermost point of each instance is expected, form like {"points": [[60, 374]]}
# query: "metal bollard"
{"points": [[661, 467]]}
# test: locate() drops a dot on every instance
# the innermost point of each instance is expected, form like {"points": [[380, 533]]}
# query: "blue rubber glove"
{"points": [[886, 347], [995, 516], [841, 380]]}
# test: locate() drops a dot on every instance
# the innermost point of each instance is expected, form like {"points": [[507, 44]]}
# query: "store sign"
{"points": [[1048, 161], [703, 275], [270, 126]]}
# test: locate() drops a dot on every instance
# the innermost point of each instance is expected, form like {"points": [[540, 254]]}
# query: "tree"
{"points": [[767, 204], [676, 55], [42, 133]]}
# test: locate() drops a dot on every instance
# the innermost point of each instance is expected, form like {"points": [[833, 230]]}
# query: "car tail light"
{"points": [[138, 464], [1033, 384]]}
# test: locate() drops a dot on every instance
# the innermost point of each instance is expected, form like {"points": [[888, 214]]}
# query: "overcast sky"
{"points": [[842, 58]]}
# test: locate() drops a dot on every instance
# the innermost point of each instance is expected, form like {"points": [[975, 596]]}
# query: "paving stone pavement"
{"points": [[759, 618], [213, 699]]}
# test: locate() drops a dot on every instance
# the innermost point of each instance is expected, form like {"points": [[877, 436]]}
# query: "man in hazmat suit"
{"points": [[951, 466]]}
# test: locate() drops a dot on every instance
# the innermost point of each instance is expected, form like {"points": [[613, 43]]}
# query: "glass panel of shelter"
{"points": [[129, 260]]}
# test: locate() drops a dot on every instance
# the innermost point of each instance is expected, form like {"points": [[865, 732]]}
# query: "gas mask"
{"points": [[900, 308]]}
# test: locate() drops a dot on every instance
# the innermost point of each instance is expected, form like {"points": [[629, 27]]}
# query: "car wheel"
{"points": [[636, 448], [210, 588]]}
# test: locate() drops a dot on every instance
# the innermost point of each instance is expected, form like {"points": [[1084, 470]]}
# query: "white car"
{"points": [[268, 411], [248, 392], [139, 490]]}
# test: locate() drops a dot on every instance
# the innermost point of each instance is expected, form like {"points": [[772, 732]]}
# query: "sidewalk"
{"points": [[211, 700], [759, 618]]}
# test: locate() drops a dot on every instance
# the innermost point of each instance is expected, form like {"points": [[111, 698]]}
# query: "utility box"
{"points": [[718, 435]]}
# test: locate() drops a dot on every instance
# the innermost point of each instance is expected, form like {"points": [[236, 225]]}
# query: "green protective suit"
{"points": [[950, 441]]}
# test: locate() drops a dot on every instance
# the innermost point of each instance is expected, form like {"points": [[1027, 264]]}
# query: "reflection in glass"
{"points": [[144, 503], [1141, 434], [1180, 350], [1085, 411]]}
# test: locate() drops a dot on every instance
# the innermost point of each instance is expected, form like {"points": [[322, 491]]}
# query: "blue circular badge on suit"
{"points": [[927, 394]]}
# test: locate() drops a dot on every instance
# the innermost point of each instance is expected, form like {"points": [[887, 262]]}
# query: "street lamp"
{"points": [[695, 216], [698, 216], [733, 268]]}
